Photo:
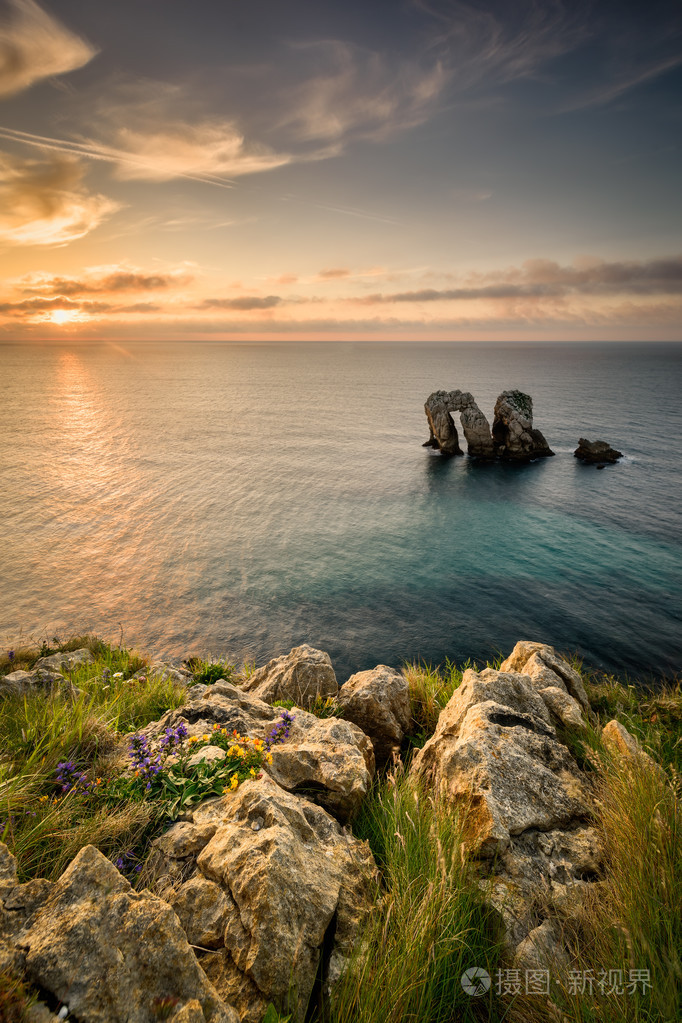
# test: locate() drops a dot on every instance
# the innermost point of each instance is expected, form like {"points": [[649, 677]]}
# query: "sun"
{"points": [[60, 316]]}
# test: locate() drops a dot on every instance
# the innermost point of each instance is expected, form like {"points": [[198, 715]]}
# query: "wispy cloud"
{"points": [[34, 45], [43, 202], [541, 278], [243, 303], [119, 280], [359, 94]]}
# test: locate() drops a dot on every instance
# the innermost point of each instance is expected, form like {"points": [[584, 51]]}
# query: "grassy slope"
{"points": [[430, 921]]}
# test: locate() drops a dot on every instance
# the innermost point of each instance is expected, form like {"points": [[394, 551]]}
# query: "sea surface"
{"points": [[240, 499]]}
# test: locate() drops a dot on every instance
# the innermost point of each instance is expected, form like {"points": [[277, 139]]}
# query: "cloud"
{"points": [[33, 45], [244, 303], [120, 280], [32, 306], [359, 93], [335, 273], [42, 202], [540, 278]]}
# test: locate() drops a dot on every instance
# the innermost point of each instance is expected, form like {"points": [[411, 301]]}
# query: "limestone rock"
{"points": [[513, 434], [36, 680], [623, 744], [378, 701], [294, 887], [301, 675], [542, 663], [167, 670], [65, 661], [329, 760], [495, 751], [563, 707], [109, 952], [207, 755], [202, 908], [443, 432], [596, 451]]}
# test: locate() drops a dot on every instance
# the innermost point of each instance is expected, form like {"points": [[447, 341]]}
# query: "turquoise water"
{"points": [[242, 499]]}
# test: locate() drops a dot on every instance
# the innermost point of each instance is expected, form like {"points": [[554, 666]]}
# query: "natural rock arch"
{"points": [[513, 436], [443, 432]]}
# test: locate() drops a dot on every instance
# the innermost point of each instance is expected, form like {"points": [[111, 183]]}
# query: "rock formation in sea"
{"points": [[513, 437], [596, 451], [443, 432]]}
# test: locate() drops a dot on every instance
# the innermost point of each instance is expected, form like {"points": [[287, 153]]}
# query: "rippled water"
{"points": [[241, 499]]}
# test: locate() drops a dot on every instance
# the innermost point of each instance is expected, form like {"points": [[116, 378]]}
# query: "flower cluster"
{"points": [[281, 730], [144, 764], [128, 863], [173, 737], [72, 780]]}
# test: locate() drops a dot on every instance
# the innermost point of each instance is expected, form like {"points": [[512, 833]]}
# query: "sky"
{"points": [[340, 169]]}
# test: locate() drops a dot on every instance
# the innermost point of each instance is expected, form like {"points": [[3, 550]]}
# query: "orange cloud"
{"points": [[34, 46], [42, 202]]}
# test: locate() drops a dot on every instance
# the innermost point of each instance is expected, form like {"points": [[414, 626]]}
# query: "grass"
{"points": [[430, 922], [40, 730]]}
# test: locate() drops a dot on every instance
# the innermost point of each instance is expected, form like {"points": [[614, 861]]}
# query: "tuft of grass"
{"points": [[430, 922], [16, 998], [430, 689], [208, 672]]}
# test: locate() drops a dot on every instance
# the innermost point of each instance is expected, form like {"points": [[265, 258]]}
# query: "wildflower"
{"points": [[281, 730], [234, 782], [10, 655], [117, 674], [192, 740], [42, 799], [252, 772], [205, 737]]}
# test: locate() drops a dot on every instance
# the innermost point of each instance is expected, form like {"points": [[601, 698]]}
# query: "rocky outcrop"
{"points": [[378, 701], [496, 755], [514, 437], [65, 661], [22, 683], [541, 663], [302, 675], [329, 760], [112, 955], [443, 432], [596, 452], [274, 887]]}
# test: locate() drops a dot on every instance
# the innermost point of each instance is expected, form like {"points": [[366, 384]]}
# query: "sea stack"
{"points": [[596, 451], [514, 438]]}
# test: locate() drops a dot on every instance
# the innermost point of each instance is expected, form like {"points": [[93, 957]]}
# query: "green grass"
{"points": [[42, 729], [430, 922]]}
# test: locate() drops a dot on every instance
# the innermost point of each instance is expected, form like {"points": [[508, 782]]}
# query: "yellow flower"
{"points": [[205, 738], [42, 799], [234, 782], [216, 727], [193, 739], [268, 758], [252, 772]]}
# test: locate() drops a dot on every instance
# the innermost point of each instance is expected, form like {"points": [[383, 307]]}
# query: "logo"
{"points": [[475, 981]]}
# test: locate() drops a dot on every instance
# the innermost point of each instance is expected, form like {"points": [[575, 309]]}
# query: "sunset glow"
{"points": [[438, 170]]}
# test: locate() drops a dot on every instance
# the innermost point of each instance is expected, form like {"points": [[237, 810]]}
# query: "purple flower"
{"points": [[10, 655], [281, 730]]}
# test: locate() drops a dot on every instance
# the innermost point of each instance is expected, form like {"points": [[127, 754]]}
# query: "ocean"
{"points": [[240, 499]]}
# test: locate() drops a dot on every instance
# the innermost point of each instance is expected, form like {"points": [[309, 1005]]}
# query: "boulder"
{"points": [[378, 701], [443, 432], [167, 670], [514, 437], [329, 760], [495, 751], [546, 668], [301, 675], [623, 745], [66, 660], [22, 683], [596, 451], [111, 954], [495, 756], [278, 891]]}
